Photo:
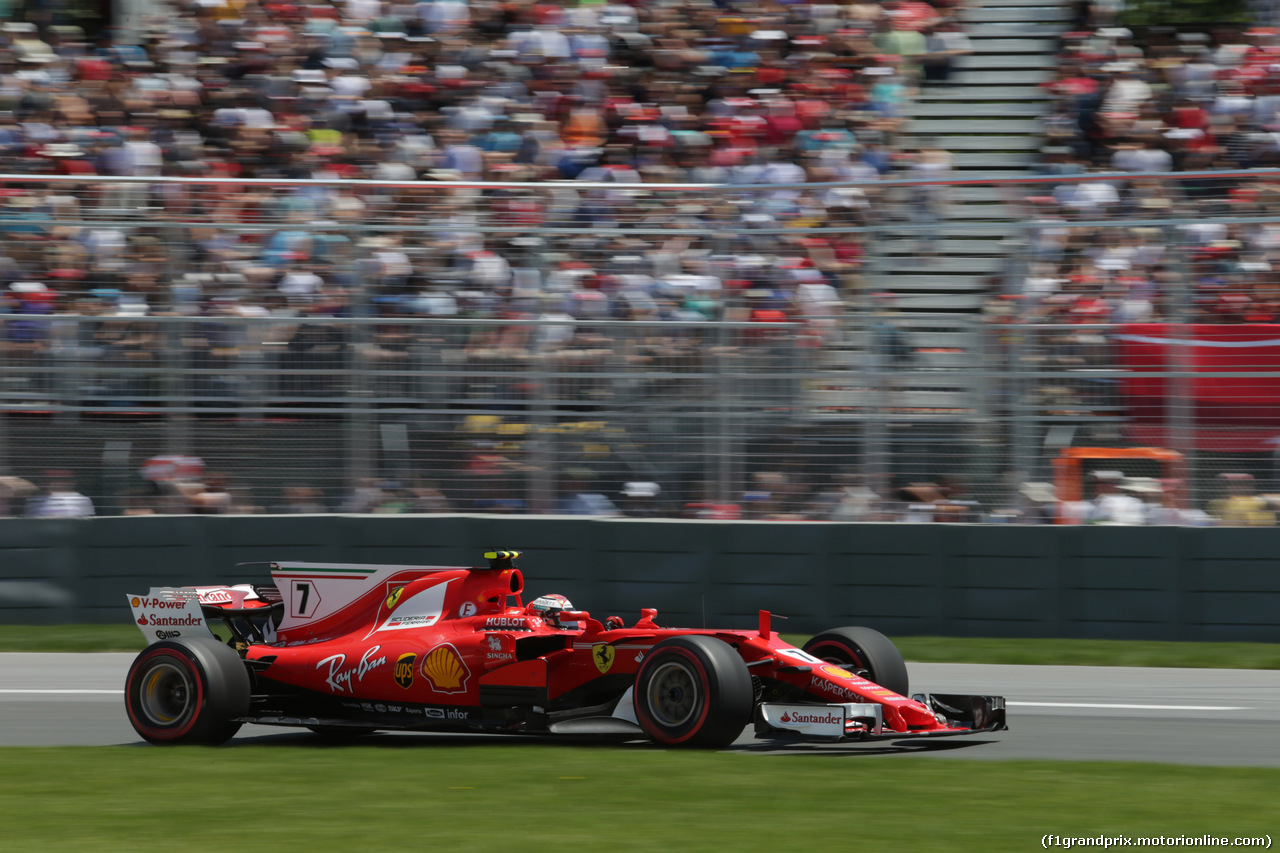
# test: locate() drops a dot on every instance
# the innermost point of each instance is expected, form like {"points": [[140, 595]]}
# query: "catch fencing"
{"points": [[816, 352]]}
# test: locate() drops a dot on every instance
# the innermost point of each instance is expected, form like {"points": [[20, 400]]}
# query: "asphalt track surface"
{"points": [[1228, 717]]}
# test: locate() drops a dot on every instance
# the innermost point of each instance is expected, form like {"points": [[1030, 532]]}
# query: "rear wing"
{"points": [[250, 612]]}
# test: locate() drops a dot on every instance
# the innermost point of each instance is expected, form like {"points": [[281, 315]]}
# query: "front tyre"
{"points": [[693, 691], [188, 690], [865, 651]]}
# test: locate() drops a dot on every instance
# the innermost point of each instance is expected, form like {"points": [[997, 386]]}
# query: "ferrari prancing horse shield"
{"points": [[602, 654], [394, 598]]}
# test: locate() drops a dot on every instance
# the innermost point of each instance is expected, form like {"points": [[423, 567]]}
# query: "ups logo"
{"points": [[404, 669]]}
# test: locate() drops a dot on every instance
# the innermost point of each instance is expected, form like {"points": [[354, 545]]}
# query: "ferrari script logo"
{"points": [[602, 654], [394, 598]]}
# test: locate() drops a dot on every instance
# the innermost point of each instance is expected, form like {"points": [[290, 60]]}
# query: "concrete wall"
{"points": [[952, 580]]}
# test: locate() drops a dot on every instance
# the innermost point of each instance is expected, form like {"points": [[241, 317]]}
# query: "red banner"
{"points": [[1234, 394]]}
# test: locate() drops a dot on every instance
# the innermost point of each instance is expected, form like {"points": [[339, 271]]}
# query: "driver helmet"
{"points": [[549, 608]]}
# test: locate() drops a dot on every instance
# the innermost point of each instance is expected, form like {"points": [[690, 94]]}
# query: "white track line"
{"points": [[1125, 707]]}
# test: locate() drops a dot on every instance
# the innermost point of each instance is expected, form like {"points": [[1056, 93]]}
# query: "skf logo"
{"points": [[394, 598], [404, 669], [444, 669], [603, 654]]}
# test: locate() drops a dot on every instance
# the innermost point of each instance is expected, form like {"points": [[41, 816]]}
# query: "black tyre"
{"points": [[865, 651], [693, 691], [189, 690]]}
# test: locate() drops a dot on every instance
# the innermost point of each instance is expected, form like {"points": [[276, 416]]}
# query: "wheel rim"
{"points": [[166, 695], [673, 694]]}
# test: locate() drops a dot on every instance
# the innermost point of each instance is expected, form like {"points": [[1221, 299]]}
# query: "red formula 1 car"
{"points": [[349, 648]]}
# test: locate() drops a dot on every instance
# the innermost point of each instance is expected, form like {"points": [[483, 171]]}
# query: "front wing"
{"points": [[960, 714]]}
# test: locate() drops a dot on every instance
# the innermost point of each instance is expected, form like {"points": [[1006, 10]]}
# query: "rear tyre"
{"points": [[693, 691], [188, 690], [865, 651]]}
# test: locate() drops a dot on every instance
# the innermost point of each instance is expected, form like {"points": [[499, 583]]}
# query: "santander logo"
{"points": [[811, 719]]}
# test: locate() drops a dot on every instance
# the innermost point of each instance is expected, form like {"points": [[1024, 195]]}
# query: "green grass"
{"points": [[70, 638], [123, 638], [530, 796], [1091, 652]]}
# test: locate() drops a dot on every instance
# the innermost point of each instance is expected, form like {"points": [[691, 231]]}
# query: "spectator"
{"points": [[929, 200], [895, 36], [212, 497], [1110, 504], [61, 499], [640, 499], [954, 504], [1240, 506], [1038, 504], [919, 502], [428, 498], [300, 499], [580, 498], [364, 497], [944, 42], [394, 499], [14, 490], [854, 500]]}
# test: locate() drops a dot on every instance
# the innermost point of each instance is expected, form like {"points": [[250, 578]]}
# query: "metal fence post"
{"points": [[1180, 426]]}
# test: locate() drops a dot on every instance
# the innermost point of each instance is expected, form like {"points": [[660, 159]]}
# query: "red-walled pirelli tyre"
{"points": [[188, 690], [693, 691], [865, 651]]}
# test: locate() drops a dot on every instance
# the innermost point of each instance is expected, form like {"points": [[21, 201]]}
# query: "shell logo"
{"points": [[136, 602], [444, 668], [838, 672]]}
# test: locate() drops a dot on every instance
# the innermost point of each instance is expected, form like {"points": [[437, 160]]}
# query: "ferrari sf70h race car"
{"points": [[345, 649]]}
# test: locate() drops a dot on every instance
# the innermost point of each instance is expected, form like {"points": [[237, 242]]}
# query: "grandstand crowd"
{"points": [[544, 93], [589, 117], [449, 91], [1173, 101]]}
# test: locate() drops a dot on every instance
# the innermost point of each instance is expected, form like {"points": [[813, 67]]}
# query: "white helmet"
{"points": [[549, 607]]}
